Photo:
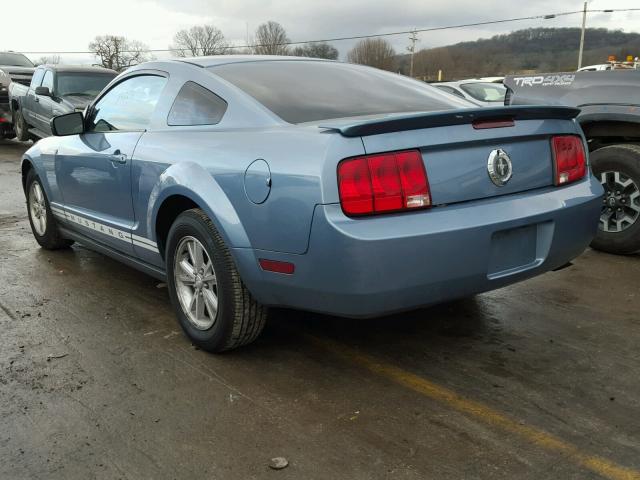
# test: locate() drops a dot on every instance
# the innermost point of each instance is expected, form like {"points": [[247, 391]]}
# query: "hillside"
{"points": [[536, 49]]}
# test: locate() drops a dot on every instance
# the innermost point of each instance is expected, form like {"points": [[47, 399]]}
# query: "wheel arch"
{"points": [[25, 167], [184, 186], [604, 132], [168, 211]]}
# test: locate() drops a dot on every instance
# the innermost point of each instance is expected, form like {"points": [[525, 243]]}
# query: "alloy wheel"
{"points": [[621, 203], [18, 126], [38, 208], [196, 283]]}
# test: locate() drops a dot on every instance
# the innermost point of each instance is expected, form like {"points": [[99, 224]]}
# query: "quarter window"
{"points": [[127, 106], [195, 105]]}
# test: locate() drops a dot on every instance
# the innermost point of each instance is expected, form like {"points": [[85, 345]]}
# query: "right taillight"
{"points": [[569, 159], [382, 183]]}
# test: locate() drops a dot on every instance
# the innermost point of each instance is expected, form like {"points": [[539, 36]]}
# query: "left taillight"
{"points": [[383, 183], [569, 159]]}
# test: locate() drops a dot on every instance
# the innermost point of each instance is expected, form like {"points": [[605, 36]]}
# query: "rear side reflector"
{"points": [[277, 266], [381, 183], [498, 123], [569, 159]]}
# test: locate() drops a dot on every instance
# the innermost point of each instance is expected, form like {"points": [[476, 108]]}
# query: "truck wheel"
{"points": [[43, 223], [213, 306], [618, 169], [20, 126]]}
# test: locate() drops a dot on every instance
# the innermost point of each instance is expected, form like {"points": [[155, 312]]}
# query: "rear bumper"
{"points": [[379, 265], [6, 125]]}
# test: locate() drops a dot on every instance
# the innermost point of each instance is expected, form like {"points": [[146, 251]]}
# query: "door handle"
{"points": [[118, 157], [36, 99]]}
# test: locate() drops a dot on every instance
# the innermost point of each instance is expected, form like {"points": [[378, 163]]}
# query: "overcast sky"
{"points": [[69, 25]]}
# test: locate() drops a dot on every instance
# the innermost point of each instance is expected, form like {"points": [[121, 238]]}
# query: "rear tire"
{"points": [[20, 127], [618, 169], [213, 306], [43, 223]]}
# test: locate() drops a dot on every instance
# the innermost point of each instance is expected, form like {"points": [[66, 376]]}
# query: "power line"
{"points": [[375, 35]]}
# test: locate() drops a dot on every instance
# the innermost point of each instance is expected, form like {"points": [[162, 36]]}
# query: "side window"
{"points": [[37, 77], [47, 81], [195, 105], [127, 106]]}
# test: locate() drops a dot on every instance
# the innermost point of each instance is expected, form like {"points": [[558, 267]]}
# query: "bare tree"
{"points": [[316, 50], [199, 40], [375, 52], [271, 39], [48, 60], [118, 53]]}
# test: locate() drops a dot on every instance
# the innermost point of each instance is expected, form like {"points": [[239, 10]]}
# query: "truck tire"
{"points": [[213, 306], [20, 127], [43, 223], [618, 169]]}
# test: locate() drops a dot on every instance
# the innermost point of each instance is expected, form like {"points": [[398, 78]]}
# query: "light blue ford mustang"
{"points": [[250, 182]]}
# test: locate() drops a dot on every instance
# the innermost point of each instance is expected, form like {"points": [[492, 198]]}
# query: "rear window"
{"points": [[82, 84], [307, 91], [485, 92], [15, 60], [449, 89]]}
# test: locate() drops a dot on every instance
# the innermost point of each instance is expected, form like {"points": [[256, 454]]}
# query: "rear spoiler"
{"points": [[415, 121]]}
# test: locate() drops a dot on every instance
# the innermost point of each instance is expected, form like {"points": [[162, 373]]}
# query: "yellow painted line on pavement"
{"points": [[448, 397]]}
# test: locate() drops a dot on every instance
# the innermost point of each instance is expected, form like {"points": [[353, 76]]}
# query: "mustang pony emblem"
{"points": [[499, 167]]}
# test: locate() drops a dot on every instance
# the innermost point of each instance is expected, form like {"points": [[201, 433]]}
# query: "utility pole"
{"points": [[584, 22], [413, 38]]}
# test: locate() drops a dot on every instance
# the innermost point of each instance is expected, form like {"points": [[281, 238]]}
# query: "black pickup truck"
{"points": [[14, 68], [54, 90], [610, 118]]}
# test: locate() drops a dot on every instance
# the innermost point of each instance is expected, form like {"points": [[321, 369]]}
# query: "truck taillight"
{"points": [[569, 159], [382, 183]]}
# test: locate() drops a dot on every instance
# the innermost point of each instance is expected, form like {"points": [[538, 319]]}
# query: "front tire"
{"points": [[20, 127], [618, 169], [43, 224], [213, 306]]}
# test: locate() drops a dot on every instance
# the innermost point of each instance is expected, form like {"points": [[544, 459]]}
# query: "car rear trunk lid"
{"points": [[457, 155]]}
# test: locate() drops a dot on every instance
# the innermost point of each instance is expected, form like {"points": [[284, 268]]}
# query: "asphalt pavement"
{"points": [[535, 381]]}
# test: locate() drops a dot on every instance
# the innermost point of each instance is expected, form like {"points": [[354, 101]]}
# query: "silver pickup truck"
{"points": [[54, 90], [14, 68]]}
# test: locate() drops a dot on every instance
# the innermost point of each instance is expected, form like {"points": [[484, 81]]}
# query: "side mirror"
{"points": [[44, 91], [67, 124]]}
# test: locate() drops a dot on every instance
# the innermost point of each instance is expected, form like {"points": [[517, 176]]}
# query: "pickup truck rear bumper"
{"points": [[379, 265], [6, 125]]}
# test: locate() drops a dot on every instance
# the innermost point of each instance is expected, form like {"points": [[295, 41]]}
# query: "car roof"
{"points": [[215, 60], [78, 69]]}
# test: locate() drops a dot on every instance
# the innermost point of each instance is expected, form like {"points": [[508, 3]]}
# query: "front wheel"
{"points": [[618, 169], [43, 223], [213, 306], [20, 127]]}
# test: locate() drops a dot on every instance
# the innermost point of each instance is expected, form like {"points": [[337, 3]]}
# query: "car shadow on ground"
{"points": [[437, 329]]}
